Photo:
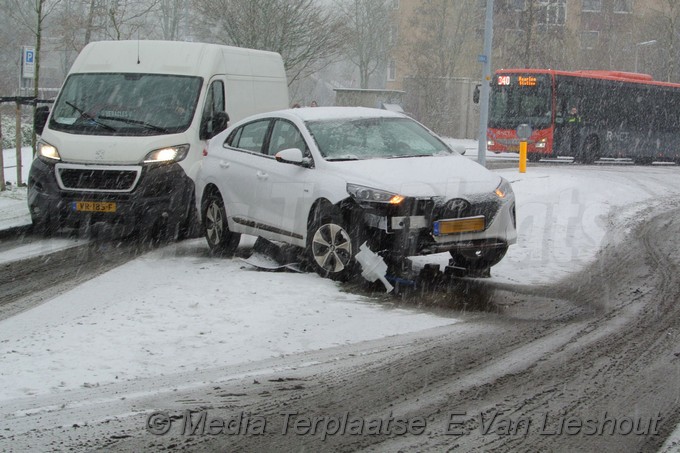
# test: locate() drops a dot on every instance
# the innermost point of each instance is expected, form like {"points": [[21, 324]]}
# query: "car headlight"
{"points": [[503, 189], [48, 152], [167, 155], [368, 194]]}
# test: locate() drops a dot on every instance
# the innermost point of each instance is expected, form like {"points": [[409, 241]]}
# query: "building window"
{"points": [[589, 39], [392, 70], [623, 6], [554, 12], [394, 4], [393, 35], [518, 5], [592, 5]]}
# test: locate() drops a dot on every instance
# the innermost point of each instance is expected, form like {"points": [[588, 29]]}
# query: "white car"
{"points": [[328, 179]]}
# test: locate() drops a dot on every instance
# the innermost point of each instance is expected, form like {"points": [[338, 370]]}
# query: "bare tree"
{"points": [[172, 13], [126, 18], [371, 35], [664, 26], [32, 15], [307, 35]]}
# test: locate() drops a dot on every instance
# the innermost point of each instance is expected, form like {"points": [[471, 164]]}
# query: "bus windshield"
{"points": [[520, 98], [126, 104]]}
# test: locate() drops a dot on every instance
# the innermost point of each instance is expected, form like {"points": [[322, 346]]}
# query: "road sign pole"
{"points": [[486, 80]]}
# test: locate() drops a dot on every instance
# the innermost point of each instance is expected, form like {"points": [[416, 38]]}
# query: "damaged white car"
{"points": [[329, 179]]}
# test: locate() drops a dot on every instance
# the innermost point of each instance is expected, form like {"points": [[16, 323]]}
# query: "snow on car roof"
{"points": [[330, 113]]}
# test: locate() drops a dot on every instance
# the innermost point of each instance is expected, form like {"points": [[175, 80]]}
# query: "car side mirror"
{"points": [[290, 156], [40, 118]]}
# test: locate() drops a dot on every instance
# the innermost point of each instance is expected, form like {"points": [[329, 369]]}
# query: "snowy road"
{"points": [[580, 324]]}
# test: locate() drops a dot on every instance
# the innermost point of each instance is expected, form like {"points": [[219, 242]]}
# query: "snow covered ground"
{"points": [[176, 309]]}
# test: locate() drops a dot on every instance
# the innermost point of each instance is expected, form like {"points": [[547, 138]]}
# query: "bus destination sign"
{"points": [[523, 81]]}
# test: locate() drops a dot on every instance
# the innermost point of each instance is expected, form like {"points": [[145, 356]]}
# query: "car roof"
{"points": [[332, 113]]}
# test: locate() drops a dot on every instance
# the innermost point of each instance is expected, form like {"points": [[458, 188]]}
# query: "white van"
{"points": [[127, 132]]}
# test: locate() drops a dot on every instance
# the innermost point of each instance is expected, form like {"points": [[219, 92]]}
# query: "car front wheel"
{"points": [[221, 240], [331, 248]]}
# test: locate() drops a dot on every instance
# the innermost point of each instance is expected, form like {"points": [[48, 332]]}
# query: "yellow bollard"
{"points": [[523, 156]]}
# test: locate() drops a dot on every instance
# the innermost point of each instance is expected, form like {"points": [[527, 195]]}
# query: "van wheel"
{"points": [[221, 240], [330, 247]]}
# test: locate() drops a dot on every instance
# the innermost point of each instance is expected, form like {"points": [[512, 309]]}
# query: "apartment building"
{"points": [[443, 38]]}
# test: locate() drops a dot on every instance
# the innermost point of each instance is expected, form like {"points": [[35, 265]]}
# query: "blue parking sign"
{"points": [[28, 62]]}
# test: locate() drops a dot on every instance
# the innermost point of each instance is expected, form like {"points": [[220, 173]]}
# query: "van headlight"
{"points": [[368, 194], [504, 189], [167, 154], [48, 152]]}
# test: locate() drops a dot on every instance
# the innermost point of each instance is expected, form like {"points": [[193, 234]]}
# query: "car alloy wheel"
{"points": [[220, 239], [332, 248]]}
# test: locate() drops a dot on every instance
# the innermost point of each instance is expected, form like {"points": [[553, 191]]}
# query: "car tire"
{"points": [[331, 248], [478, 265], [221, 240]]}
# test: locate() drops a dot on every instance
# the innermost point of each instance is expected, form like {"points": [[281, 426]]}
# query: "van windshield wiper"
{"points": [[141, 123], [87, 116]]}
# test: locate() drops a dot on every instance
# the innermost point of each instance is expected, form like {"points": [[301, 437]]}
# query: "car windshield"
{"points": [[374, 138], [126, 104]]}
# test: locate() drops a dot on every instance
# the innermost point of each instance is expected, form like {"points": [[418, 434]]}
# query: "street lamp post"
{"points": [[637, 48]]}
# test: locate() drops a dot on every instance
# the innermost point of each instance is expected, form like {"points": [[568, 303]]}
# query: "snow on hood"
{"points": [[447, 176]]}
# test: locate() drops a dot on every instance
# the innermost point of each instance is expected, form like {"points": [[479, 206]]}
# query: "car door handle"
{"points": [[262, 175], [224, 164]]}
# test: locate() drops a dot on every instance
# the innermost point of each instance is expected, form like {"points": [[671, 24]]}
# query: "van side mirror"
{"points": [[213, 125], [40, 118], [475, 94]]}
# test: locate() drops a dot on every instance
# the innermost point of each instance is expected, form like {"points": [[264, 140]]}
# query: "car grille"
{"points": [[99, 180], [458, 208]]}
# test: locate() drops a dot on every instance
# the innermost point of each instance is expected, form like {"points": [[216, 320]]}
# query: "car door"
{"points": [[238, 163], [284, 188]]}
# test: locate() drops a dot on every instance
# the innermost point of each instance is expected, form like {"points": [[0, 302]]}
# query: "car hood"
{"points": [[447, 176]]}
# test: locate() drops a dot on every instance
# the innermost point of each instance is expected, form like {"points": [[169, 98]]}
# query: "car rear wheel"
{"points": [[331, 248], [221, 240]]}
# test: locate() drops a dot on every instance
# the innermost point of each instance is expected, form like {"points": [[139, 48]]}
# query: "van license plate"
{"points": [[94, 206]]}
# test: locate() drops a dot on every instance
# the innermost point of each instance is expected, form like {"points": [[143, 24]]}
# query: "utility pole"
{"points": [[485, 59]]}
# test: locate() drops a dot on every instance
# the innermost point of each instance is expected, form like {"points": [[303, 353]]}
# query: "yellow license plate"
{"points": [[94, 206], [466, 225]]}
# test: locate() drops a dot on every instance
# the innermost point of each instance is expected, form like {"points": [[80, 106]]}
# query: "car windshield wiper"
{"points": [[342, 158], [410, 155], [141, 123], [87, 116]]}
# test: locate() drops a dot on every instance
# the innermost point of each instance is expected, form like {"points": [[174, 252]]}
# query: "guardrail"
{"points": [[18, 101]]}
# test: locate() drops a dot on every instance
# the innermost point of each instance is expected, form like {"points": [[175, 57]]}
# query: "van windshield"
{"points": [[126, 104]]}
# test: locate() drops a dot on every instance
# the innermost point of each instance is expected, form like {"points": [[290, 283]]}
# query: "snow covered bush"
{"points": [[9, 131]]}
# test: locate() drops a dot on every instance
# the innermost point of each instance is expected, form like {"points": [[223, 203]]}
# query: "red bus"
{"points": [[585, 114]]}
